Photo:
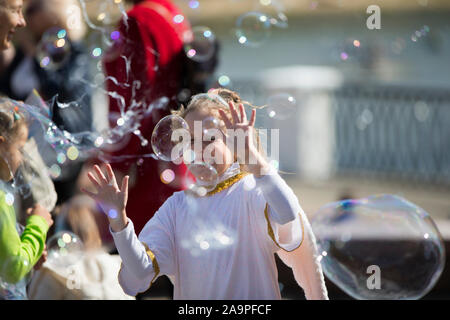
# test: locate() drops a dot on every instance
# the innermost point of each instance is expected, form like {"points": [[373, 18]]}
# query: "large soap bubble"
{"points": [[380, 247], [170, 138], [64, 249]]}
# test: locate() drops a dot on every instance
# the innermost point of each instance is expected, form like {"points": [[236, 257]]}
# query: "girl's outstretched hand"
{"points": [[111, 199]]}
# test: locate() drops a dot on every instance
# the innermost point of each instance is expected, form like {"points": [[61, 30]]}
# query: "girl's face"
{"points": [[213, 148], [11, 153], [11, 18]]}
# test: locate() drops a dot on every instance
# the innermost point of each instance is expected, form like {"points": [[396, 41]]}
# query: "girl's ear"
{"points": [[2, 139]]}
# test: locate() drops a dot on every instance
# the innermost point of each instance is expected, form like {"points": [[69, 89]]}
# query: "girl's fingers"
{"points": [[125, 186], [111, 176], [100, 174], [94, 180], [234, 113], [243, 115], [253, 118], [225, 119]]}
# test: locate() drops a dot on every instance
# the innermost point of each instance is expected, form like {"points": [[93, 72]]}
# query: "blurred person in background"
{"points": [[64, 84], [94, 276]]}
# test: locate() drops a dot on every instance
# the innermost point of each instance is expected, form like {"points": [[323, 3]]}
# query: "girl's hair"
{"points": [[11, 119], [217, 99], [78, 217]]}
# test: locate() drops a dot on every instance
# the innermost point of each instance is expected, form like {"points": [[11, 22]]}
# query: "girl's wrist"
{"points": [[120, 223]]}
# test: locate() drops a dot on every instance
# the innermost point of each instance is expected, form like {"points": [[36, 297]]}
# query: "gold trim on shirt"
{"points": [[224, 184], [272, 235], [155, 265]]}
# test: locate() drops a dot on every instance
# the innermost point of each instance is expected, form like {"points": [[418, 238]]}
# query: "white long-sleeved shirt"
{"points": [[222, 246]]}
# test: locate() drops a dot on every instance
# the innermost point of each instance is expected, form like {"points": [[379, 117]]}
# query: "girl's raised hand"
{"points": [[111, 199], [250, 158]]}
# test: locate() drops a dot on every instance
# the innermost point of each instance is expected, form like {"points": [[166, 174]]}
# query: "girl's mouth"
{"points": [[10, 35]]}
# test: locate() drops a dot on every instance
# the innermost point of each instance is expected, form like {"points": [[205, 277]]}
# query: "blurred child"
{"points": [[18, 252], [250, 199], [94, 276]]}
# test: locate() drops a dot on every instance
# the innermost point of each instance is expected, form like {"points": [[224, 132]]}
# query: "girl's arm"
{"points": [[143, 257], [282, 203], [113, 202], [18, 254]]}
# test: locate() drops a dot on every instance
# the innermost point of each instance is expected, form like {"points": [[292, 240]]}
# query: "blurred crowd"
{"points": [[58, 199]]}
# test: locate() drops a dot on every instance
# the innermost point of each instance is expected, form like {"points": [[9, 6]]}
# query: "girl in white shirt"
{"points": [[251, 200]]}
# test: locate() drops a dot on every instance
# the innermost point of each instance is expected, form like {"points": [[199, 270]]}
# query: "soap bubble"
{"points": [[206, 177], [253, 28], [170, 132], [281, 106], [201, 44], [54, 49], [64, 249], [385, 233]]}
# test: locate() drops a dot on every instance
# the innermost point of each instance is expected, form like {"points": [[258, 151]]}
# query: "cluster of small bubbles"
{"points": [[54, 49], [201, 44], [385, 231], [420, 33], [252, 28], [167, 176], [281, 106], [167, 137], [64, 249]]}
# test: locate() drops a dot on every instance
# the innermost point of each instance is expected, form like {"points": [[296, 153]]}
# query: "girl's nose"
{"points": [[21, 23]]}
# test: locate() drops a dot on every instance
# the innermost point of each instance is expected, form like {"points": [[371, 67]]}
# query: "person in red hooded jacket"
{"points": [[147, 64]]}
